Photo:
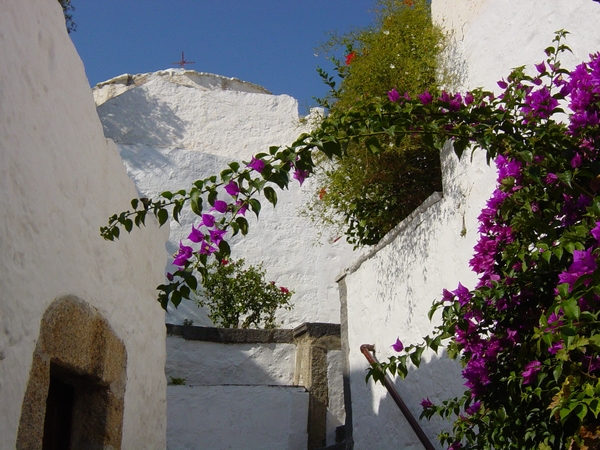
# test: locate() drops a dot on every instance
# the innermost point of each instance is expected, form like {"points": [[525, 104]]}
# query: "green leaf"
{"points": [[373, 145], [162, 215], [176, 298], [177, 209], [167, 194], [571, 308], [243, 224], [563, 290], [196, 202], [254, 205], [270, 195]]}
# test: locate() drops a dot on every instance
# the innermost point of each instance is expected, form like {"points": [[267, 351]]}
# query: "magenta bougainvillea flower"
{"points": [[426, 403], [219, 206], [398, 346], [183, 255], [243, 207], [196, 235], [531, 371], [300, 175], [393, 95], [426, 98], [257, 164], [208, 220], [232, 189], [216, 235]]}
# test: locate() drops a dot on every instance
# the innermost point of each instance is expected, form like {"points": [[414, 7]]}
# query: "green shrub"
{"points": [[366, 193], [239, 297]]}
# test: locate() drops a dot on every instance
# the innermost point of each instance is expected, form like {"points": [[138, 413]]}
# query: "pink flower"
{"points": [[208, 220], [398, 346], [393, 95], [232, 189], [595, 232], [257, 164], [183, 255], [219, 206], [550, 179], [426, 403], [243, 207], [284, 290], [207, 249], [541, 67], [196, 235], [426, 98], [300, 175], [216, 235], [531, 371]]}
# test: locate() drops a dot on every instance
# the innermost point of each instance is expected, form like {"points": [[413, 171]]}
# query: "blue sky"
{"points": [[268, 42]]}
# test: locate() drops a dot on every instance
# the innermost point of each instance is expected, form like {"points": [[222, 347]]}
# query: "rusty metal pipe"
{"points": [[366, 350]]}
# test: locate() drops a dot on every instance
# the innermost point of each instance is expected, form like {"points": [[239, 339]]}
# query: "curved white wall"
{"points": [[60, 180]]}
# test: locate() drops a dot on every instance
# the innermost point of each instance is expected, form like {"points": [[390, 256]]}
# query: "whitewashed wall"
{"points": [[390, 290], [237, 417], [175, 126], [60, 179]]}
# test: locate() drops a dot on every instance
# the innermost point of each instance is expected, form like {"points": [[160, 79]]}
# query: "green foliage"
{"points": [[239, 297], [174, 381], [379, 181], [67, 9]]}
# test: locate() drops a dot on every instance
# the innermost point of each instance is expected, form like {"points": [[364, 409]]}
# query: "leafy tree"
{"points": [[366, 193]]}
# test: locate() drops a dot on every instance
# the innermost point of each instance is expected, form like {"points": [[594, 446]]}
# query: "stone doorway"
{"points": [[74, 396]]}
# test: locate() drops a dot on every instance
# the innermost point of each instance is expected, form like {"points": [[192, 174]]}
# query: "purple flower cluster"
{"points": [[583, 89], [209, 233], [539, 104], [584, 263]]}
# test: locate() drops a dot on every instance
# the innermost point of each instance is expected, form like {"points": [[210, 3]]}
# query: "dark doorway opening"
{"points": [[59, 415]]}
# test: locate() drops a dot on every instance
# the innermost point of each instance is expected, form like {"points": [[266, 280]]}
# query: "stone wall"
{"points": [[60, 180]]}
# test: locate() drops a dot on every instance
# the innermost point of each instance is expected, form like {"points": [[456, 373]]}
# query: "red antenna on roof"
{"points": [[183, 62]]}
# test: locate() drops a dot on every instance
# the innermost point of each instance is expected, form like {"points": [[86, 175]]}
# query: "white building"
{"points": [[79, 325]]}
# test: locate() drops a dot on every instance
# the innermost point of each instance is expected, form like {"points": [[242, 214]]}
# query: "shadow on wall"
{"points": [[377, 420], [136, 117]]}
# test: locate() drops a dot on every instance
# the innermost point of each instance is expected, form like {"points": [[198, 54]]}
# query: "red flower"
{"points": [[284, 290], [350, 57]]}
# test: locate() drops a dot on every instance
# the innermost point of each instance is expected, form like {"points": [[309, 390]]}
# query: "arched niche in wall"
{"points": [[74, 396]]}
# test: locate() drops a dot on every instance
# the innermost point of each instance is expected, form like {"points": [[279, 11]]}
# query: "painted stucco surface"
{"points": [[211, 363], [60, 180], [244, 417], [390, 290], [177, 126]]}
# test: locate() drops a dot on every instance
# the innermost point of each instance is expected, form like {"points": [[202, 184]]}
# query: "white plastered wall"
{"points": [[60, 180], [390, 291], [178, 126]]}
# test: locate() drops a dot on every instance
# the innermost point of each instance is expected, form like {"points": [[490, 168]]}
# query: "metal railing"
{"points": [[367, 350]]}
